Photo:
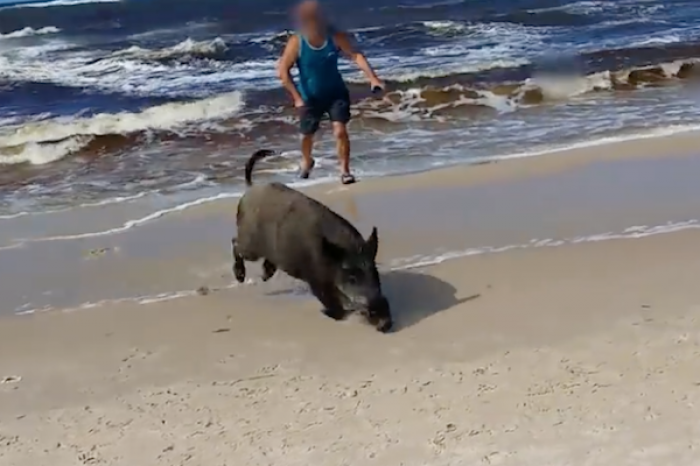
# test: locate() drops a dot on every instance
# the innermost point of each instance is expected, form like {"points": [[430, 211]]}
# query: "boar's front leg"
{"points": [[326, 293], [238, 264], [269, 270]]}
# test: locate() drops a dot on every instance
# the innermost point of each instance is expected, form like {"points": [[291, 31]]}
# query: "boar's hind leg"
{"points": [[326, 293], [238, 264], [269, 270]]}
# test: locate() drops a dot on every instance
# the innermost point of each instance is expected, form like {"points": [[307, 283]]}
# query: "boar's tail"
{"points": [[259, 154]]}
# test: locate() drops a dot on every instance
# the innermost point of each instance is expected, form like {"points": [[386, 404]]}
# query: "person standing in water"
{"points": [[314, 50]]}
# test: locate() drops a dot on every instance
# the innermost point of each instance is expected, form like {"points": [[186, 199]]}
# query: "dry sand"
{"points": [[577, 355]]}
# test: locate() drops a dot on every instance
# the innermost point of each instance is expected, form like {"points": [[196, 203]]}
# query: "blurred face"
{"points": [[308, 17]]}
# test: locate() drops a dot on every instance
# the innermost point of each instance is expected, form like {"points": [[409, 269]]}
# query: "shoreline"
{"points": [[625, 190], [682, 137]]}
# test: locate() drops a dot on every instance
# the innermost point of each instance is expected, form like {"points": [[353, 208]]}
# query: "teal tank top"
{"points": [[319, 77]]}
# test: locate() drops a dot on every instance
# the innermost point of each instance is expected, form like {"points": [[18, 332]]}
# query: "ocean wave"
{"points": [[28, 31], [417, 98], [188, 69], [655, 41], [270, 41], [445, 26], [55, 3], [404, 76], [47, 141], [417, 95], [186, 50]]}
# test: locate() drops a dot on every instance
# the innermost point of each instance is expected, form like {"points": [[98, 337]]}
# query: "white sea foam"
{"points": [[484, 47], [634, 232], [138, 71], [405, 72], [54, 3], [111, 200], [27, 309], [49, 140], [667, 39], [445, 26], [153, 216], [186, 48], [40, 154], [28, 31]]}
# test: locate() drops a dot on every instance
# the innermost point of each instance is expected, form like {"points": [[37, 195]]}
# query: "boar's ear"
{"points": [[371, 244], [332, 251]]}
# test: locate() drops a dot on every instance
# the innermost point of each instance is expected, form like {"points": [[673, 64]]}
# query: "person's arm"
{"points": [[284, 68], [343, 42]]}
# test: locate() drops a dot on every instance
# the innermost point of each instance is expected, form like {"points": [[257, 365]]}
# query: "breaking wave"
{"points": [[46, 141], [28, 32], [55, 3], [186, 50], [423, 96]]}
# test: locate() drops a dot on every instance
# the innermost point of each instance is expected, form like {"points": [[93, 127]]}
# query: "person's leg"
{"points": [[307, 147], [339, 113], [309, 120], [342, 144]]}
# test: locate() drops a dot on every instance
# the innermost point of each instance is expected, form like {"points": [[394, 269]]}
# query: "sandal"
{"points": [[306, 171], [347, 178]]}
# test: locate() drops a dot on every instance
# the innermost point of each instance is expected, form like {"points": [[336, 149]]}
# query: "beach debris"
{"points": [[203, 291], [94, 253], [89, 457], [10, 379], [221, 330]]}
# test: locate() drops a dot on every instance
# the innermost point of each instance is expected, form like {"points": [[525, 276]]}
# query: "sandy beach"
{"points": [[546, 310]]}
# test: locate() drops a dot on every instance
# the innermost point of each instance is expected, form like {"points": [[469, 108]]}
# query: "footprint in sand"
{"points": [[10, 379]]}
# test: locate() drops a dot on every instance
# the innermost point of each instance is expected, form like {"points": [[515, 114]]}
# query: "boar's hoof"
{"points": [[379, 315], [269, 270], [385, 327], [239, 270], [335, 314]]}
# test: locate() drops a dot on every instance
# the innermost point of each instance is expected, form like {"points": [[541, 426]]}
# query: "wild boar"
{"points": [[302, 237]]}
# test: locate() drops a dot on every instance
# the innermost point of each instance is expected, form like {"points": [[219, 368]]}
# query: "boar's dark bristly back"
{"points": [[260, 154]]}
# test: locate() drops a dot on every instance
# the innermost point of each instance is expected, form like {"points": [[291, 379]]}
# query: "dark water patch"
{"points": [[545, 18], [26, 99], [244, 16]]}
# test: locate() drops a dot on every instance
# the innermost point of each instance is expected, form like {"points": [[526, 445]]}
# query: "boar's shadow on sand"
{"points": [[413, 296]]}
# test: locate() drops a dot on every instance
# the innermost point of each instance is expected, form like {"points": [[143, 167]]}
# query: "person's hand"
{"points": [[299, 103], [376, 85]]}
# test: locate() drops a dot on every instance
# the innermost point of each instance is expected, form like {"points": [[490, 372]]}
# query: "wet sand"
{"points": [[578, 354]]}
